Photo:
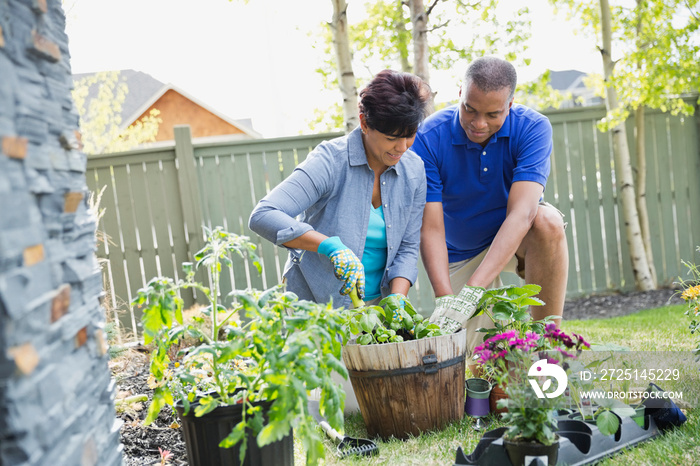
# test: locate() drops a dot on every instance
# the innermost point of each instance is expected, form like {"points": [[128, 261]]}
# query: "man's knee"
{"points": [[546, 236], [549, 223]]}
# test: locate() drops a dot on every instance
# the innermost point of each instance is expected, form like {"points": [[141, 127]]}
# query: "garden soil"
{"points": [[142, 443]]}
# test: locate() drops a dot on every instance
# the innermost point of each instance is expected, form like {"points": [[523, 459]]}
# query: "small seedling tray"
{"points": [[579, 443]]}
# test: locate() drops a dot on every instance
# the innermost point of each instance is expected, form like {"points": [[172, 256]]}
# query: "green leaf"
{"points": [[273, 432], [364, 339], [157, 404], [246, 299], [530, 302], [206, 405], [529, 289], [503, 311], [234, 437], [607, 422], [267, 295], [367, 323]]}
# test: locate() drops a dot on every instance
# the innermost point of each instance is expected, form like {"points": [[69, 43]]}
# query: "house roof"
{"points": [[566, 80], [145, 90]]}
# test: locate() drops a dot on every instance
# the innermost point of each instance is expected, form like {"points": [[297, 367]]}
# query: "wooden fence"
{"points": [[156, 201]]}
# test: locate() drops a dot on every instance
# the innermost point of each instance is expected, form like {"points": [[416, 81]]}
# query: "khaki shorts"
{"points": [[461, 272]]}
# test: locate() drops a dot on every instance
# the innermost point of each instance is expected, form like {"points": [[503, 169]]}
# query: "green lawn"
{"points": [[661, 329]]}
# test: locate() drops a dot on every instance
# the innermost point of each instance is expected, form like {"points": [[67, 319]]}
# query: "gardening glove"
{"points": [[452, 312], [346, 265], [442, 304]]}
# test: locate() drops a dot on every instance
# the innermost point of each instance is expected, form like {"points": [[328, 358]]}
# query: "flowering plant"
{"points": [[691, 296], [510, 358]]}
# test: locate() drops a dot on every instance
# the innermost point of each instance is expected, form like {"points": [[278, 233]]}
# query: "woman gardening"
{"points": [[352, 210]]}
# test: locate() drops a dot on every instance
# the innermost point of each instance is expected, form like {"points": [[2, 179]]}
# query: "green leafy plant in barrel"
{"points": [[280, 350], [394, 320]]}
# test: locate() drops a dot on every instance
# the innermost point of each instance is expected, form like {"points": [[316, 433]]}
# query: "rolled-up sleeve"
{"points": [[274, 218]]}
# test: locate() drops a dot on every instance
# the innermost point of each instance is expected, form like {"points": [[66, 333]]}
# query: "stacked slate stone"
{"points": [[56, 393]]}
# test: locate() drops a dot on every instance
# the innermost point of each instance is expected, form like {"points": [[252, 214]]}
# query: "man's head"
{"points": [[485, 97]]}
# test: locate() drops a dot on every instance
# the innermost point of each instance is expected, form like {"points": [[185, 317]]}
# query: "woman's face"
{"points": [[382, 149]]}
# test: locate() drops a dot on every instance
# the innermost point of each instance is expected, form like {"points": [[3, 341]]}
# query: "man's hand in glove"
{"points": [[346, 265], [452, 312]]}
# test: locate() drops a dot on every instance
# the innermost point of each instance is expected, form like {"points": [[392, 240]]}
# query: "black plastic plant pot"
{"points": [[203, 434], [524, 453]]}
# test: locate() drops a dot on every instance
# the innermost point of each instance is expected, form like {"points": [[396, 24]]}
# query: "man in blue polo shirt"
{"points": [[487, 163]]}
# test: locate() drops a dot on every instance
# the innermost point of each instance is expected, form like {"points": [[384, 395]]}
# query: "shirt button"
{"points": [[483, 153], [486, 169], [388, 226], [386, 205], [383, 182], [391, 247]]}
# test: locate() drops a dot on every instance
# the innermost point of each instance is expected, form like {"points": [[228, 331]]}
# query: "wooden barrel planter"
{"points": [[407, 388]]}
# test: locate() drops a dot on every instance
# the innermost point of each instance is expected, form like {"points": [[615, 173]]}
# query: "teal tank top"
{"points": [[374, 255]]}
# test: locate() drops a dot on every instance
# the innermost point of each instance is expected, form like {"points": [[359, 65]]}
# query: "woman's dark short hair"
{"points": [[395, 103]]}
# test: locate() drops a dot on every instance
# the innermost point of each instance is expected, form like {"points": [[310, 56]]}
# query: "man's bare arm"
{"points": [[523, 201], [433, 249]]}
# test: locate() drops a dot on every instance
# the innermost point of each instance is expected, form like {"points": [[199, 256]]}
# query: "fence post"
{"points": [[189, 188]]}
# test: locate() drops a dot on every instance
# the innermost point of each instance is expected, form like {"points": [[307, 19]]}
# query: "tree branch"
{"points": [[430, 8], [690, 10], [439, 26]]}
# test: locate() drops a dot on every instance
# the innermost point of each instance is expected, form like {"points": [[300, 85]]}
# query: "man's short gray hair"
{"points": [[491, 74]]}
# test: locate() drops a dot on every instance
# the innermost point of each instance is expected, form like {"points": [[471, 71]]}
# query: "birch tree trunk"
{"points": [[346, 76], [642, 191], [421, 54], [623, 166], [403, 57], [419, 20], [640, 127]]}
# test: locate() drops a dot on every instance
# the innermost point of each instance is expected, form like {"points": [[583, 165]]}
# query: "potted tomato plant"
{"points": [[242, 385]]}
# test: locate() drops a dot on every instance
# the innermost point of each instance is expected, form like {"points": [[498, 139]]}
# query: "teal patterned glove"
{"points": [[452, 312], [346, 265]]}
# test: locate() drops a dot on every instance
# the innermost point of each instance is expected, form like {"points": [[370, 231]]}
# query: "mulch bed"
{"points": [[616, 305], [141, 443]]}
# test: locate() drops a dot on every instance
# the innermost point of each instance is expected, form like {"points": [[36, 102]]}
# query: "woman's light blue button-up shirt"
{"points": [[331, 192]]}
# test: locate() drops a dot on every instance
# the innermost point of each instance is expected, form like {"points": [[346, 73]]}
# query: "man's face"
{"points": [[481, 113]]}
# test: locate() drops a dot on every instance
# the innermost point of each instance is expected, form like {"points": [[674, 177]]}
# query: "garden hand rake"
{"points": [[347, 446]]}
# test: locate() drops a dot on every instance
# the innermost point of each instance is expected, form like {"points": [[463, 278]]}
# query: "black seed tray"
{"points": [[579, 443]]}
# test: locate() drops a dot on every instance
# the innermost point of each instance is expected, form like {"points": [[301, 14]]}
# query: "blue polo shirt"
{"points": [[473, 182]]}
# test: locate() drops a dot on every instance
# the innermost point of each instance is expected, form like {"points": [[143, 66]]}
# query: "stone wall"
{"points": [[56, 393]]}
